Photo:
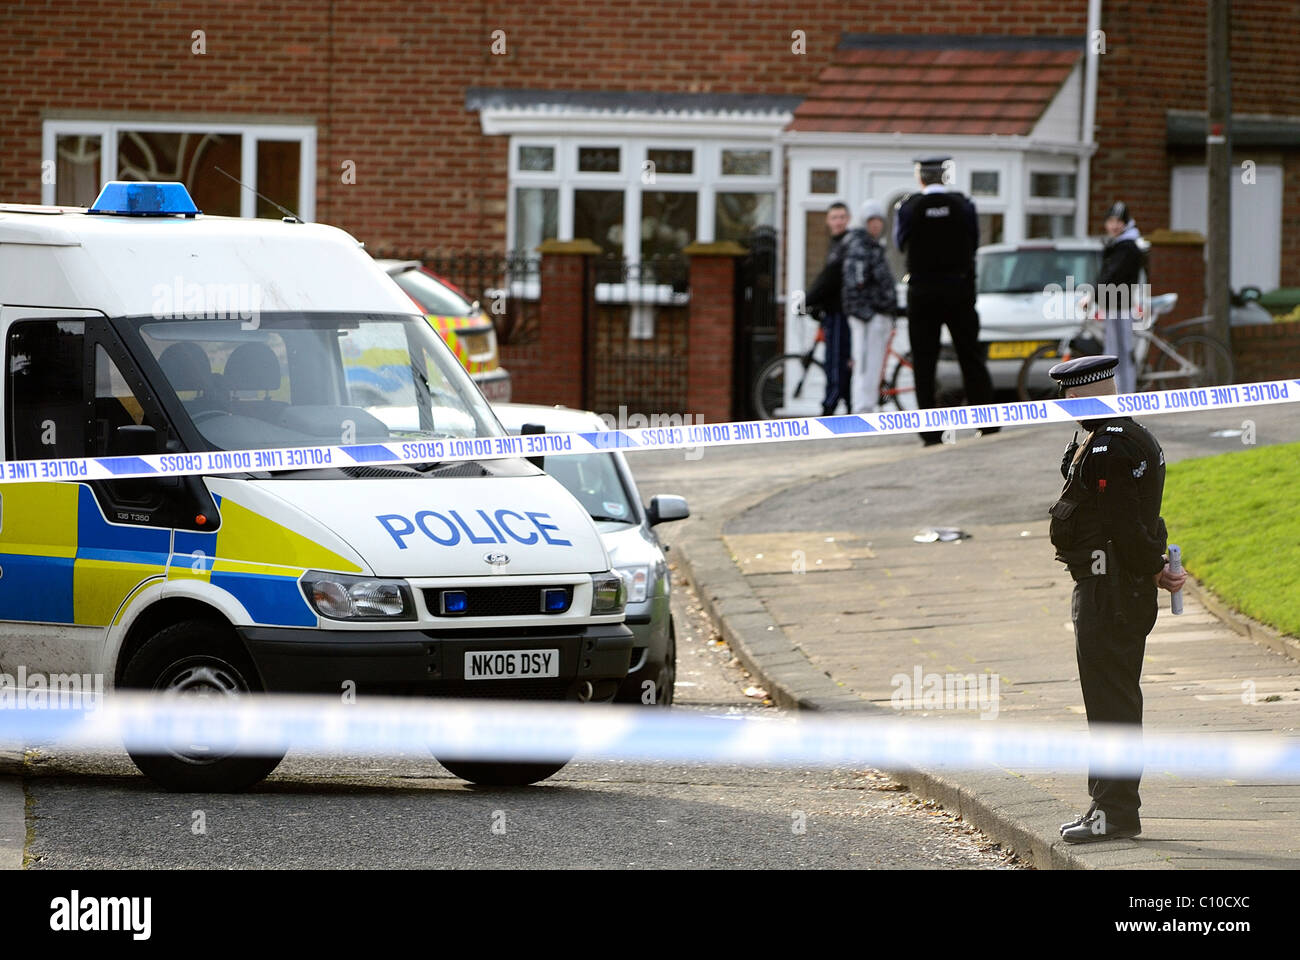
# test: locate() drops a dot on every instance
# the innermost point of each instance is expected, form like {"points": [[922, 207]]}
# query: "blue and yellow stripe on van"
{"points": [[61, 561], [234, 558]]}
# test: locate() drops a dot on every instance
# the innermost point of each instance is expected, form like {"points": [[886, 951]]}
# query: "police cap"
{"points": [[1077, 372], [931, 163]]}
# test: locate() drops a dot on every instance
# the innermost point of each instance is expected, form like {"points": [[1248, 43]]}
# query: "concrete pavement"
{"points": [[829, 618], [13, 810]]}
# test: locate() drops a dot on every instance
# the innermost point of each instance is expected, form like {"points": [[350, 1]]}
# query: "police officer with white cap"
{"points": [[939, 231], [1106, 527]]}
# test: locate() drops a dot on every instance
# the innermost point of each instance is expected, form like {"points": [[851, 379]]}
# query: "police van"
{"points": [[139, 326]]}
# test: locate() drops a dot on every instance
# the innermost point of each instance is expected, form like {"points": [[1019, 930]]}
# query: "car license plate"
{"points": [[511, 664], [1013, 349]]}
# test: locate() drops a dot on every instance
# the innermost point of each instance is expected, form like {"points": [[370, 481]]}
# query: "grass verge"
{"points": [[1236, 517]]}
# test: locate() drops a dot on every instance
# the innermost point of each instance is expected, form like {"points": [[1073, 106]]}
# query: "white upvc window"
{"points": [[988, 182], [1051, 197], [675, 190], [275, 160]]}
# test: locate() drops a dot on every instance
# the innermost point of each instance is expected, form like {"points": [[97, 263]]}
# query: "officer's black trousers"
{"points": [[929, 307], [1112, 618]]}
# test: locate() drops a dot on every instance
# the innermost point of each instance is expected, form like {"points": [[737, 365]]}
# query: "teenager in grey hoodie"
{"points": [[870, 300]]}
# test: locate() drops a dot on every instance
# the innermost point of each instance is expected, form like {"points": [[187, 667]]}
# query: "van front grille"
{"points": [[512, 601]]}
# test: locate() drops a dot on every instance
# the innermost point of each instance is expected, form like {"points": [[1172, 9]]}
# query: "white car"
{"points": [[1020, 306], [603, 484]]}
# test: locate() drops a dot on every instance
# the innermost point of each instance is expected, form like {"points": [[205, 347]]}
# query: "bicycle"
{"points": [[897, 385], [1192, 360]]}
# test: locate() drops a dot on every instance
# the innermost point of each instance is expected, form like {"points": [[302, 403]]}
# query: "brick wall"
{"points": [[553, 372], [1266, 351], [384, 81], [1176, 264], [1290, 265], [713, 284], [1155, 61]]}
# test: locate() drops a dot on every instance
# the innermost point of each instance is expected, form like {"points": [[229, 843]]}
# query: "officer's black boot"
{"points": [[1096, 827], [1079, 819]]}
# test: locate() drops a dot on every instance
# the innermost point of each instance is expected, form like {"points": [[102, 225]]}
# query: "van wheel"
{"points": [[196, 658], [502, 774]]}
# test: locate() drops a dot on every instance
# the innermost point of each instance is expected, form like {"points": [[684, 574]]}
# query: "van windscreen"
{"points": [[283, 380]]}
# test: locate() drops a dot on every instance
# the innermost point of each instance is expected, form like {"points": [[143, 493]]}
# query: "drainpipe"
{"points": [[1092, 40]]}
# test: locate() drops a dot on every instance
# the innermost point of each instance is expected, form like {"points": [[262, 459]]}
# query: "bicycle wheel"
{"points": [[1211, 365], [900, 391], [1026, 387], [769, 386]]}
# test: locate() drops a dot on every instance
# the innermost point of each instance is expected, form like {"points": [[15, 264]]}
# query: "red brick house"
{"points": [[493, 125]]}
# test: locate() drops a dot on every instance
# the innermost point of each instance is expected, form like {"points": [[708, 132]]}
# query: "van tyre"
{"points": [[502, 773], [489, 774], [196, 658]]}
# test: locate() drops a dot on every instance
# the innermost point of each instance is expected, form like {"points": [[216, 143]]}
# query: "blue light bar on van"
{"points": [[145, 199]]}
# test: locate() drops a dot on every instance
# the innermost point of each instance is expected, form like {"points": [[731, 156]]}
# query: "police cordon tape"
{"points": [[499, 730], [684, 437]]}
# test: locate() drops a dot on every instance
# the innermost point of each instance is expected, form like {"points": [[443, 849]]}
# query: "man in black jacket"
{"points": [[1122, 263], [824, 300]]}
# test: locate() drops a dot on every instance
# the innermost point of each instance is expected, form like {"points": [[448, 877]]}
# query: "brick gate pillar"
{"points": [[1176, 264], [562, 374], [711, 343]]}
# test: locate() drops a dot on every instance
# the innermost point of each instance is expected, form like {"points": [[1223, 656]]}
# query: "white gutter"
{"points": [[550, 121], [1089, 113]]}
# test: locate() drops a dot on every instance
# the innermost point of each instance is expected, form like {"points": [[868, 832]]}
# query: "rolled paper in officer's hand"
{"points": [[1175, 566]]}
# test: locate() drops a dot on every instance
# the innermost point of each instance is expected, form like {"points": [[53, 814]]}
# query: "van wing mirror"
{"points": [[665, 507], [134, 440], [529, 429]]}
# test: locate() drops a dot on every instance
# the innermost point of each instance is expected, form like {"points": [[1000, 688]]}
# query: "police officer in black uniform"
{"points": [[939, 231], [1106, 527]]}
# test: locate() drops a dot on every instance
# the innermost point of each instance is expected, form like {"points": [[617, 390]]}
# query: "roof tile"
{"points": [[953, 90]]}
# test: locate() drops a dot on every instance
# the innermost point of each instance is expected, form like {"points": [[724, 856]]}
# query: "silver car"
{"points": [[603, 484]]}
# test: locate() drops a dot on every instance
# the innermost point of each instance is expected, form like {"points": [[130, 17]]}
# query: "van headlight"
{"points": [[340, 597], [608, 593], [637, 579]]}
